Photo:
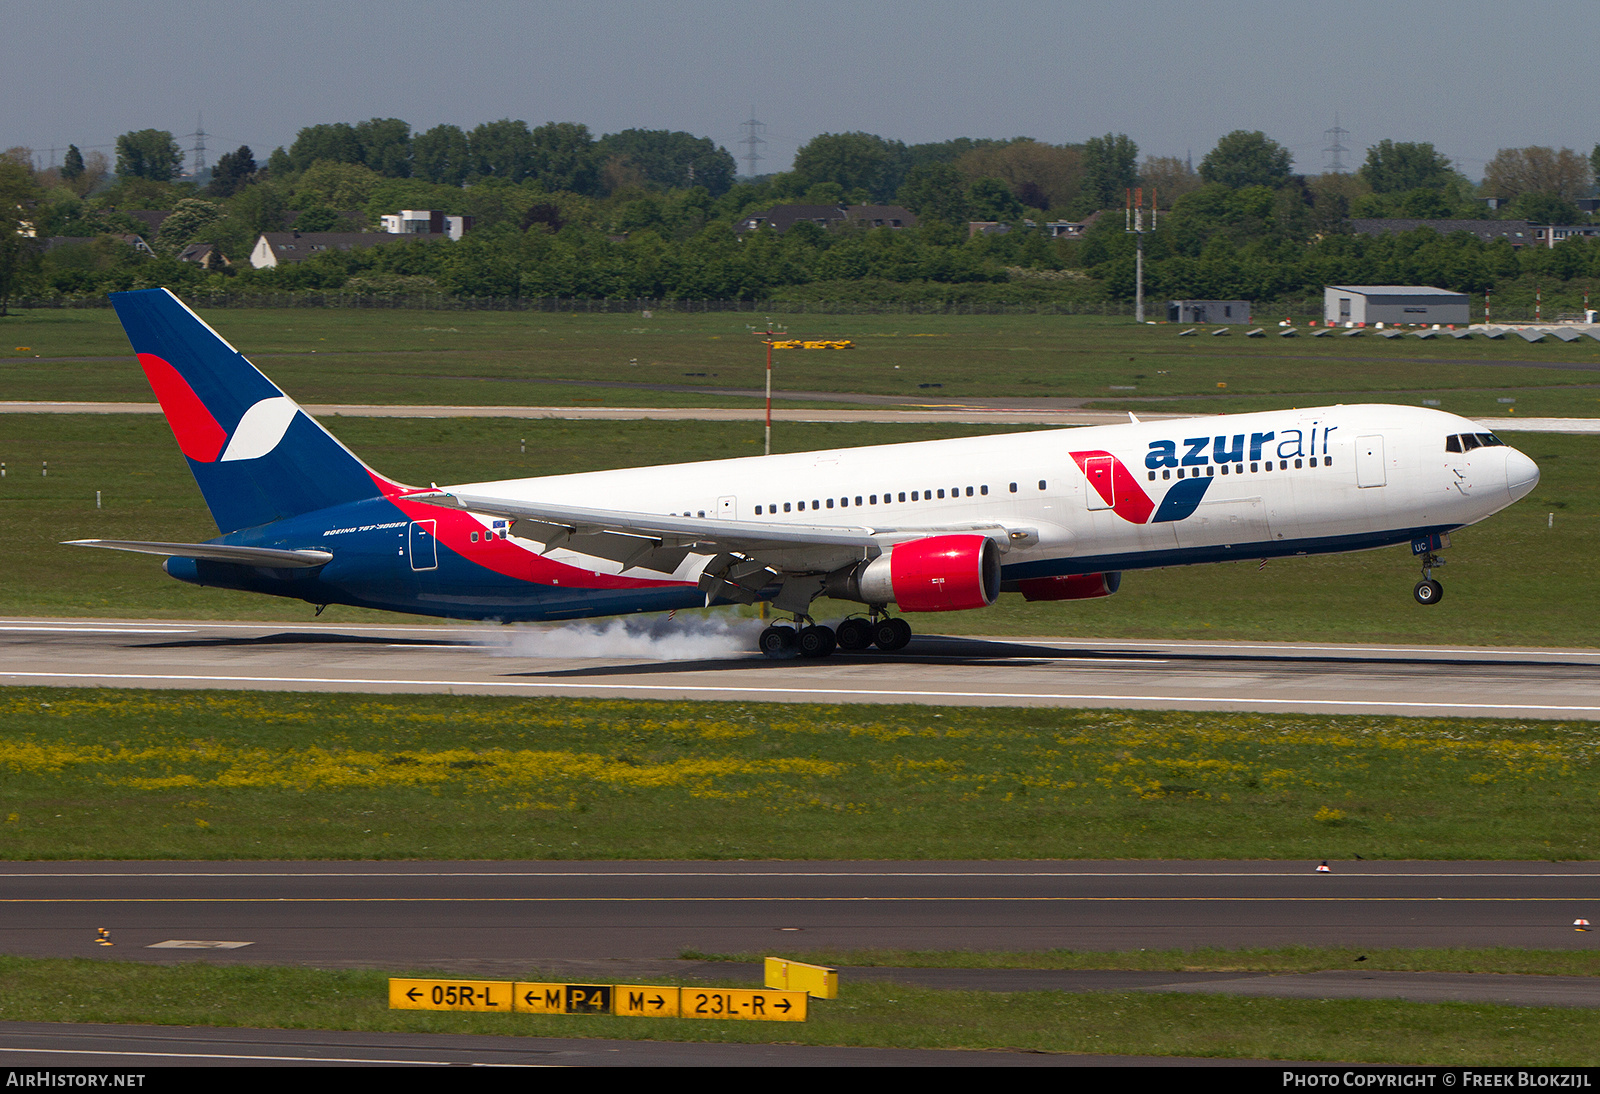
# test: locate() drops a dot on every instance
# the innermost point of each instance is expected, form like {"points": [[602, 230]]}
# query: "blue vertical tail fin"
{"points": [[256, 455]]}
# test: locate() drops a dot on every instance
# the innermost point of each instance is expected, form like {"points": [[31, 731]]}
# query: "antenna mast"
{"points": [[1336, 148], [752, 142], [1134, 225], [198, 150]]}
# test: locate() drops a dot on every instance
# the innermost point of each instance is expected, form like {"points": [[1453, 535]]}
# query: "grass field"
{"points": [[1524, 577], [102, 773], [478, 358], [878, 1015]]}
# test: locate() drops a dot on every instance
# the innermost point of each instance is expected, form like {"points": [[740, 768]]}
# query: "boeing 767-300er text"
{"points": [[930, 526]]}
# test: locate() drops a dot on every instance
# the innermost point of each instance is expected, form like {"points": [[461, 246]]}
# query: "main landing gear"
{"points": [[806, 639], [1428, 591]]}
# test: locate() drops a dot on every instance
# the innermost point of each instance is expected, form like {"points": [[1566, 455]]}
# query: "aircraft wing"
{"points": [[747, 555], [214, 552]]}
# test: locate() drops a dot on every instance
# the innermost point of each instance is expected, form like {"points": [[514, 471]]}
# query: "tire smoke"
{"points": [[651, 638]]}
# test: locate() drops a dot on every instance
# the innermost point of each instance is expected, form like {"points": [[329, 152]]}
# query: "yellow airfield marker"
{"points": [[622, 1000]]}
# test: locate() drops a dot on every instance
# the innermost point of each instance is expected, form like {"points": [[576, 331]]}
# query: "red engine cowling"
{"points": [[939, 574], [1069, 586]]}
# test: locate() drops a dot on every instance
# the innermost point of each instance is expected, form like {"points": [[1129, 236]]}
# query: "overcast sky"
{"points": [[1471, 76]]}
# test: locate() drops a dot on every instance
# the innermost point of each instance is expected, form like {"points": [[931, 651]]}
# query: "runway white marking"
{"points": [[814, 696], [1283, 647], [466, 631], [996, 874], [100, 630], [241, 1056]]}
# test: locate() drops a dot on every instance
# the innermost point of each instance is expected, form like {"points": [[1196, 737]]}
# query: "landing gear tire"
{"points": [[778, 642], [815, 641], [1428, 592], [891, 634], [854, 634]]}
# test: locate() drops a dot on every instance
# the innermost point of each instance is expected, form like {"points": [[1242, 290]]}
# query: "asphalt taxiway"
{"points": [[613, 920], [614, 659]]}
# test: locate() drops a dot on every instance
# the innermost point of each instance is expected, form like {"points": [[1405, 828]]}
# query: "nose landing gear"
{"points": [[1428, 591]]}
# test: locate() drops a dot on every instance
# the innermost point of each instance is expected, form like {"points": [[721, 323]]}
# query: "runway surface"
{"points": [[613, 662]]}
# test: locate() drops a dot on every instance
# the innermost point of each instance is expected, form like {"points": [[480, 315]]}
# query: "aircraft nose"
{"points": [[1522, 474]]}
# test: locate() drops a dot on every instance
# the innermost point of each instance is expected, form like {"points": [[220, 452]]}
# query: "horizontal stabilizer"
{"points": [[214, 552]]}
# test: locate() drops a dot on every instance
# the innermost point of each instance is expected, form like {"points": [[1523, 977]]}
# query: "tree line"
{"points": [[647, 213]]}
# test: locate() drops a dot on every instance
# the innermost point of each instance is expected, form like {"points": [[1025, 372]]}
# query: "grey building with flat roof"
{"points": [[1390, 304]]}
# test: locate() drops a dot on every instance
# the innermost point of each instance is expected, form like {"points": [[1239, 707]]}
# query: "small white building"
{"points": [[1208, 311], [1391, 304], [421, 222], [281, 248]]}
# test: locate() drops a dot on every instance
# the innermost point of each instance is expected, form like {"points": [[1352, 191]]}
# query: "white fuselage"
{"points": [[1281, 482]]}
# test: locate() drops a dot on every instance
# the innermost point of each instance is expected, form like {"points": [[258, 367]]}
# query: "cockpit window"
{"points": [[1466, 442]]}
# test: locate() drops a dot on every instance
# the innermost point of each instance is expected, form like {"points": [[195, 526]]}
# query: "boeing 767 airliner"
{"points": [[926, 527]]}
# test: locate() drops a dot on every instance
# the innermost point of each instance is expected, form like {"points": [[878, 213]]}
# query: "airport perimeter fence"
{"points": [[585, 306]]}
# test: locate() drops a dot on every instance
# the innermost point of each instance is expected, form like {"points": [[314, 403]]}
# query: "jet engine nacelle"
{"points": [[937, 574], [1070, 586]]}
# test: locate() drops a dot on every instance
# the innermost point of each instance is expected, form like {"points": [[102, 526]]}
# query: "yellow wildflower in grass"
{"points": [[532, 753], [321, 768]]}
